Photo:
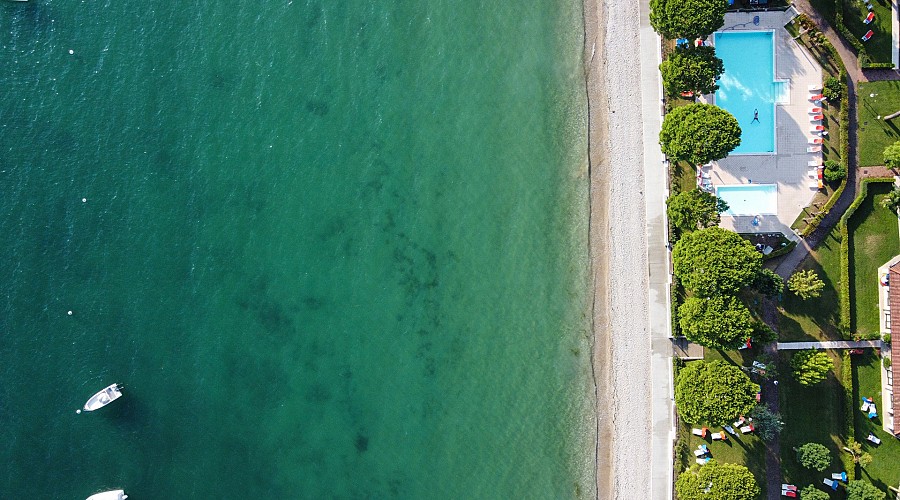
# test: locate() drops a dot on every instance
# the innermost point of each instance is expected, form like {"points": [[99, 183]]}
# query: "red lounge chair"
{"points": [[869, 18], [817, 97], [815, 110], [867, 36], [687, 93], [816, 118]]}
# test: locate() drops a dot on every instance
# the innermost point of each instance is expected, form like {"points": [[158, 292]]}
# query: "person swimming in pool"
{"points": [[755, 116]]}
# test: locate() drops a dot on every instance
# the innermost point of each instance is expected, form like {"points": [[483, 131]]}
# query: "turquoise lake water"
{"points": [[748, 89], [332, 250]]}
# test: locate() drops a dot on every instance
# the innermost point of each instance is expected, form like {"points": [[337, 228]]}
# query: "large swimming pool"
{"points": [[749, 199], [748, 89]]}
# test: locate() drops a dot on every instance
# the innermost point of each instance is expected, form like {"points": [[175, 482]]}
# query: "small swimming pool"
{"points": [[749, 199], [748, 88]]}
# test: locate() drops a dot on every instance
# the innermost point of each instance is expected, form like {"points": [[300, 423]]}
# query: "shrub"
{"points": [[768, 283], [813, 493], [806, 284], [886, 362], [767, 422], [834, 171], [811, 366], [886, 338], [892, 155], [833, 89], [814, 456], [863, 490]]}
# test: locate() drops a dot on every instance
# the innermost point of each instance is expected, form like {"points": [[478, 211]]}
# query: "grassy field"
{"points": [[877, 99], [817, 318], [885, 468], [874, 240], [811, 415], [879, 46]]}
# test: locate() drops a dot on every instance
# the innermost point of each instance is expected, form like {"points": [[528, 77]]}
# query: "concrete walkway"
{"points": [[834, 344]]}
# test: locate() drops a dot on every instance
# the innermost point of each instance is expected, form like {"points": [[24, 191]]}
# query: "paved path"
{"points": [[769, 390], [834, 344]]}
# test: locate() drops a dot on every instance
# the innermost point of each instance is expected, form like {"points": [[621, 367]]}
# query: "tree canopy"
{"points": [[892, 155], [690, 210], [699, 133], [687, 18], [714, 480], [713, 393], [892, 200], [864, 490], [811, 366], [768, 423], [813, 493], [692, 69], [814, 456], [768, 283], [714, 261], [806, 284], [719, 322]]}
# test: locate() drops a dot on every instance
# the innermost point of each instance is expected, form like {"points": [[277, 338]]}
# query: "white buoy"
{"points": [[69, 313], [71, 51], [84, 200], [78, 412]]}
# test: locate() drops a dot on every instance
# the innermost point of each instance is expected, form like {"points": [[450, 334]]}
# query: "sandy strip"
{"points": [[621, 355]]}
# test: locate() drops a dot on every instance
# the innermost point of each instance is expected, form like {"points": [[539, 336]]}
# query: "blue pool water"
{"points": [[748, 85], [749, 199]]}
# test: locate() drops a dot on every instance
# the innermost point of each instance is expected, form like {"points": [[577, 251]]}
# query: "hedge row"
{"points": [[781, 251], [844, 291], [849, 408]]}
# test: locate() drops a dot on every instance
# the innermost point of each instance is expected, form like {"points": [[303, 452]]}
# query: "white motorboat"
{"points": [[103, 398], [109, 495]]}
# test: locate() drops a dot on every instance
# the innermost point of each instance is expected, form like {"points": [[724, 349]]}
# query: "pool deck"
{"points": [[788, 167]]}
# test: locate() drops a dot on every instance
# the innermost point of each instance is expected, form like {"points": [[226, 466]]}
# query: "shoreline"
{"points": [[618, 239]]}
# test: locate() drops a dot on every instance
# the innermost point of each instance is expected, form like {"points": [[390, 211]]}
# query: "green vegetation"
{"points": [[768, 423], [713, 393], [805, 284], [862, 490], [714, 480], [699, 133], [687, 18], [892, 155], [694, 209], [834, 88], [814, 456], [874, 240], [878, 48], [768, 283], [720, 322], [816, 318], [692, 69], [811, 366], [884, 470], [813, 493], [834, 171], [877, 99], [811, 414], [715, 261]]}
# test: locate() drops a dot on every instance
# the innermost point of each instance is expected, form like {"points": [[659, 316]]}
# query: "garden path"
{"points": [[832, 344]]}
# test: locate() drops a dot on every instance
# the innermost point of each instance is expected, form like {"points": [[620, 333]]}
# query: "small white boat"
{"points": [[103, 398], [109, 495]]}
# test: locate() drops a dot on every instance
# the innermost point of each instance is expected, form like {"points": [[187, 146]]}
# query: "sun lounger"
{"points": [[740, 421], [719, 436], [789, 493], [817, 128], [700, 453], [817, 97], [869, 18], [747, 429], [840, 476], [867, 36], [820, 184], [814, 163], [815, 87], [700, 432], [815, 110], [702, 461], [865, 407], [872, 414], [873, 438], [831, 483], [816, 118], [816, 140], [814, 149], [789, 487], [730, 430]]}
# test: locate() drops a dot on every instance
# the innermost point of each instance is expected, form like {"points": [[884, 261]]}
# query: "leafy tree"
{"points": [[814, 456], [714, 480], [833, 89], [892, 155], [859, 457], [768, 283], [811, 366], [813, 493], [762, 334], [768, 423], [694, 209], [720, 322], [713, 393], [714, 261], [806, 284], [864, 490], [699, 133], [892, 200], [834, 171], [687, 18], [694, 69]]}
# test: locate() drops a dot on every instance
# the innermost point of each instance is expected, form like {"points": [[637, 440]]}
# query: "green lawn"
{"points": [[811, 414], [885, 468], [877, 99], [879, 46], [815, 319], [874, 240]]}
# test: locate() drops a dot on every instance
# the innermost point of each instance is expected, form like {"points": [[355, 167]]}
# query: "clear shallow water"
{"points": [[330, 250], [749, 199], [747, 88]]}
